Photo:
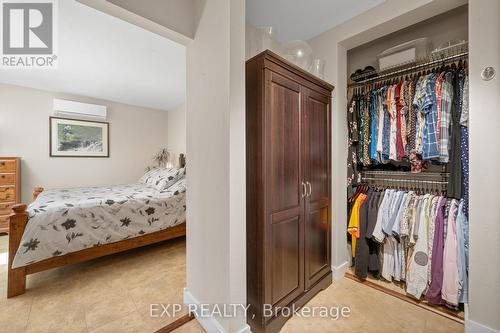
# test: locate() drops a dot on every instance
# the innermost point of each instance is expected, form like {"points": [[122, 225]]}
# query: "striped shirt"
{"points": [[445, 121]]}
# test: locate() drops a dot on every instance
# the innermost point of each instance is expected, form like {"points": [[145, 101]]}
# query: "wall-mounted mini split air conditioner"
{"points": [[73, 109]]}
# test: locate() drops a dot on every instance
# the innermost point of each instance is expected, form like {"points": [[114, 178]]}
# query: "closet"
{"points": [[288, 163], [408, 166]]}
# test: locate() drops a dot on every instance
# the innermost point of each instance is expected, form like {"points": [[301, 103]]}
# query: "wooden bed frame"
{"points": [[16, 278]]}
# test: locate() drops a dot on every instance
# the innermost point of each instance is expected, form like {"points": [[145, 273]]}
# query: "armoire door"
{"points": [[317, 202], [284, 172]]}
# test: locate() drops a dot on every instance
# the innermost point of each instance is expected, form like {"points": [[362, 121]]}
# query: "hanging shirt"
{"points": [[400, 150], [430, 232], [417, 101], [416, 279], [463, 269], [455, 183], [366, 131], [439, 83], [445, 119], [393, 212], [411, 118], [449, 291], [430, 145], [380, 134], [407, 216], [361, 127], [396, 227], [404, 114], [374, 126], [391, 106], [353, 227], [386, 139], [464, 146], [433, 295], [382, 214], [352, 139]]}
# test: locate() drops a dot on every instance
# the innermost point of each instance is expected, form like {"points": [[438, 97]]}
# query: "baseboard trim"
{"points": [[473, 327], [209, 324], [176, 324], [340, 270]]}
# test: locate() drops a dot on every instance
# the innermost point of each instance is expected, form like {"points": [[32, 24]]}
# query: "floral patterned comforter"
{"points": [[68, 220]]}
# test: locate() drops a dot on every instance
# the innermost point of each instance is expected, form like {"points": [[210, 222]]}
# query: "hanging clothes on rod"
{"points": [[416, 119], [414, 237], [409, 118]]}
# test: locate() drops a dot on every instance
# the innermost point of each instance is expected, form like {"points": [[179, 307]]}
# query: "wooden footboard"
{"points": [[16, 284], [16, 278]]}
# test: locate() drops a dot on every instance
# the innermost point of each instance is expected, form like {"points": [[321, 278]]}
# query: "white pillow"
{"points": [[162, 178]]}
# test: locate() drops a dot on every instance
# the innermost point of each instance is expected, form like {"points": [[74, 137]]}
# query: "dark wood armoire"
{"points": [[288, 177]]}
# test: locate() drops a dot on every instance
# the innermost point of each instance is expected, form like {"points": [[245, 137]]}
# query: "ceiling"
{"points": [[299, 19], [104, 57]]}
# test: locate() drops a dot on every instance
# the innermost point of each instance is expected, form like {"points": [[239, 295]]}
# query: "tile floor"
{"points": [[113, 294], [110, 294], [371, 311]]}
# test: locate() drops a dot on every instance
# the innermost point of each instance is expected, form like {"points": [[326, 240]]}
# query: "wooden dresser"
{"points": [[288, 165], [10, 189]]}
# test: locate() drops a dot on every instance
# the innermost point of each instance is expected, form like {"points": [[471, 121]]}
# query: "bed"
{"points": [[66, 226]]}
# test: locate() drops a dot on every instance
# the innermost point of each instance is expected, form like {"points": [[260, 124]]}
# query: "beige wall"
{"points": [[216, 270], [484, 226], [178, 15], [439, 29], [135, 135], [177, 131]]}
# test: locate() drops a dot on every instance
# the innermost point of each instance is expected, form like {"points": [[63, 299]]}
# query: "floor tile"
{"points": [[108, 308], [132, 323]]}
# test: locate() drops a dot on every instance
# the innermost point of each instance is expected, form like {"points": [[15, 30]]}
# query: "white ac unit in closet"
{"points": [[63, 107]]}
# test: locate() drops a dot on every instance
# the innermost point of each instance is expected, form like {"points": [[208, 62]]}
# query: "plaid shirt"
{"points": [[417, 105], [445, 123], [430, 145]]}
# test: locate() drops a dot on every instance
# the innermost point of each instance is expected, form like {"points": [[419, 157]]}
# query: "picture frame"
{"points": [[78, 138]]}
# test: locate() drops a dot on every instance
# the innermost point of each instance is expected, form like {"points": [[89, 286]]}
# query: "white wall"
{"points": [[135, 135], [177, 131], [216, 152], [484, 226]]}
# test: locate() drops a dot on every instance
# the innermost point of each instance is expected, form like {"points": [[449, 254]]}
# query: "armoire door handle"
{"points": [[304, 190], [310, 189]]}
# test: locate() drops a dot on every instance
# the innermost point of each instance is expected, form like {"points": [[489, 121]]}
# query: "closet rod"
{"points": [[406, 180], [404, 173], [411, 68]]}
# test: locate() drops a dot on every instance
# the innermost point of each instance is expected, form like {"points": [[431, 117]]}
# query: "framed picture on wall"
{"points": [[78, 138]]}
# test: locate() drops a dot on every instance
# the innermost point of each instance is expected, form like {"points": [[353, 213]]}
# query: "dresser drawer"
{"points": [[6, 208], [4, 224], [7, 193], [7, 166], [7, 178]]}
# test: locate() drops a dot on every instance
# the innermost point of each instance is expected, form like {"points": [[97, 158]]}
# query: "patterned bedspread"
{"points": [[68, 220]]}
